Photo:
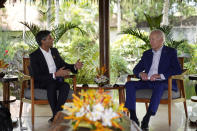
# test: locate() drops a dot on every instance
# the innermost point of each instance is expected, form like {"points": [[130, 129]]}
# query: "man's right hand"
{"points": [[61, 72], [143, 76]]}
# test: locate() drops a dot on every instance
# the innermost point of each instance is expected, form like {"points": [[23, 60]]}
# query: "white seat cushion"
{"points": [[41, 94]]}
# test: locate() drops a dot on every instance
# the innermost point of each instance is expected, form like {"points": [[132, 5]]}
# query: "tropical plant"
{"points": [[154, 23], [57, 32]]}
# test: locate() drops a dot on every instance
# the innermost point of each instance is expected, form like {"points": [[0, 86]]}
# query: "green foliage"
{"points": [[186, 9], [174, 44], [34, 29], [74, 46], [189, 88], [57, 32], [118, 66], [190, 62], [153, 22], [4, 45], [126, 51], [133, 12], [61, 29], [137, 33], [88, 53], [7, 42]]}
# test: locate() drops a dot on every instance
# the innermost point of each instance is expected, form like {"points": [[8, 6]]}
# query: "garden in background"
{"points": [[77, 32]]}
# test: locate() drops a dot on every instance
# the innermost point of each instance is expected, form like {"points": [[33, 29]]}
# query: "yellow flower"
{"points": [[101, 71], [94, 102]]}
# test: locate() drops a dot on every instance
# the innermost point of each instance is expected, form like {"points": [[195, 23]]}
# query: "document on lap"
{"points": [[135, 79], [155, 79]]}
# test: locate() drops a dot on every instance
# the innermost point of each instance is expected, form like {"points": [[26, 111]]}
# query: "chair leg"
{"points": [[185, 106], [32, 114], [146, 104], [169, 114], [21, 109]]}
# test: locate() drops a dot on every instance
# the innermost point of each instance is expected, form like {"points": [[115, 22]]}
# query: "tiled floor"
{"points": [[157, 123]]}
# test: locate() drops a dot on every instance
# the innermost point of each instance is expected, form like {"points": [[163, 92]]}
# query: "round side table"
{"points": [[193, 119], [6, 90], [7, 99]]}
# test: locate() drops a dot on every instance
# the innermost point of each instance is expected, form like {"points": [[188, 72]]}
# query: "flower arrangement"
{"points": [[96, 109], [101, 79], [3, 65]]}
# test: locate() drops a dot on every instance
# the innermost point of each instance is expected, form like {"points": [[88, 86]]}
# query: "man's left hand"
{"points": [[78, 64], [154, 77]]}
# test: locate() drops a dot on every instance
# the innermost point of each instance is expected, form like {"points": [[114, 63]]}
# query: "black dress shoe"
{"points": [[133, 116], [136, 121], [144, 125], [50, 121]]}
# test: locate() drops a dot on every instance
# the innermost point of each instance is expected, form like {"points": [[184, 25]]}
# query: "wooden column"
{"points": [[104, 34]]}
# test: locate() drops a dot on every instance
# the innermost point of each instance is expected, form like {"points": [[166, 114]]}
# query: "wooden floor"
{"points": [[157, 123]]}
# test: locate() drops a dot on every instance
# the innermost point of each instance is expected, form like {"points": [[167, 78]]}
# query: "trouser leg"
{"points": [[157, 92], [63, 95], [131, 88], [52, 96]]}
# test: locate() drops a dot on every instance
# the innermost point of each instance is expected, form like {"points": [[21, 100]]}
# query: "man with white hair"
{"points": [[154, 68]]}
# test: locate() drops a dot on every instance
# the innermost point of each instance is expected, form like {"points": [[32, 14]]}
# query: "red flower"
{"points": [[6, 53]]}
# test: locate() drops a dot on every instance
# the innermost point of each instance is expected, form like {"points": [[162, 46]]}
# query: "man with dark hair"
{"points": [[154, 69], [48, 69]]}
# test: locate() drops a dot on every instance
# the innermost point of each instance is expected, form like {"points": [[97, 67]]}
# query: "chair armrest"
{"points": [[179, 77], [130, 76], [26, 77], [74, 80], [175, 77], [184, 71], [23, 81], [69, 76]]}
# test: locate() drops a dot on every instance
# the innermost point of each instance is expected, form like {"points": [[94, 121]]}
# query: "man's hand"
{"points": [[61, 72], [154, 77], [143, 76], [78, 64]]}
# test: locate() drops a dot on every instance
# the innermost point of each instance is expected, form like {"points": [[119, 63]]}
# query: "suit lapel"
{"points": [[43, 61], [54, 57], [150, 59], [162, 58]]}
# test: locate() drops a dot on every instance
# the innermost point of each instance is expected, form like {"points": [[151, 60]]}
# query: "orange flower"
{"points": [[92, 104], [3, 64], [101, 71]]}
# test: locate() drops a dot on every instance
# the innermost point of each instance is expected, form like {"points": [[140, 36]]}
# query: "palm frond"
{"points": [[32, 27], [174, 43], [153, 22], [166, 29], [137, 33], [59, 30], [30, 41]]}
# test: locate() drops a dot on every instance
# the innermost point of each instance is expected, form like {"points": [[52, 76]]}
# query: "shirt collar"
{"points": [[159, 51], [45, 52]]}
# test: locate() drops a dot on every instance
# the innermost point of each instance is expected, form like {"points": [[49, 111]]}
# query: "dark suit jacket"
{"points": [[168, 64], [39, 68]]}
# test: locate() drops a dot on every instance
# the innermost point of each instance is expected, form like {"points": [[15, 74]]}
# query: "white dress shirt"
{"points": [[155, 64], [50, 62]]}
